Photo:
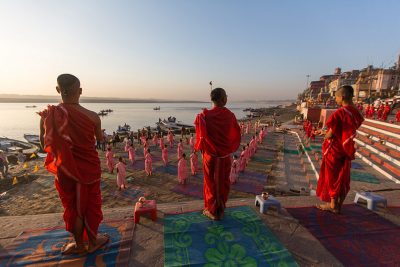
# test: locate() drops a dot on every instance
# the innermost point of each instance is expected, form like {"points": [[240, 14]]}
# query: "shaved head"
{"points": [[67, 83], [218, 96], [346, 91]]}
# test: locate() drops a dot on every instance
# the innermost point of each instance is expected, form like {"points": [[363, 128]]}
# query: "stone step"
{"points": [[386, 168], [381, 135], [383, 126]]}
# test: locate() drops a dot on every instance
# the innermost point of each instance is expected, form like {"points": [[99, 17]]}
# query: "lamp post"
{"points": [[308, 77]]}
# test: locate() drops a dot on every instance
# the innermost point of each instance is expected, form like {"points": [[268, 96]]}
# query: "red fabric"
{"points": [[338, 152], [386, 112], [71, 155], [398, 116], [217, 136]]}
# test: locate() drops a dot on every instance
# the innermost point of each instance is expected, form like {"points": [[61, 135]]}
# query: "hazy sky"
{"points": [[172, 49]]}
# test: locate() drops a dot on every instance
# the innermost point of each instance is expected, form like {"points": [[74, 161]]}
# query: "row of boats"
{"points": [[104, 112], [163, 125]]}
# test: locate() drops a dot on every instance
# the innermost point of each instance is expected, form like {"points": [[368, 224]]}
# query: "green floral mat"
{"points": [[290, 151], [363, 177], [262, 159], [240, 239]]}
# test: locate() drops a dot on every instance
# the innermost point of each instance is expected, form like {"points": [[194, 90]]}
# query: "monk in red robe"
{"points": [[217, 137], [338, 151], [67, 134]]}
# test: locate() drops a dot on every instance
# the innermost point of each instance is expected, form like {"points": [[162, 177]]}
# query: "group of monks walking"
{"points": [[382, 112]]}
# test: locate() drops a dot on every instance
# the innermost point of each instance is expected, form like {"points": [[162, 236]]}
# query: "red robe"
{"points": [[386, 112], [71, 155], [217, 136], [338, 152], [398, 116]]}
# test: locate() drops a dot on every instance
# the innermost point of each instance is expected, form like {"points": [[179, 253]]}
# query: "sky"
{"points": [[256, 50]]}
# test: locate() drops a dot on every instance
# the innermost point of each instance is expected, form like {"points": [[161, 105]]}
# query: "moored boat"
{"points": [[13, 146], [32, 138]]}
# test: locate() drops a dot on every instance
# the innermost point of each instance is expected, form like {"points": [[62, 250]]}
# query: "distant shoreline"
{"points": [[105, 100], [30, 100]]}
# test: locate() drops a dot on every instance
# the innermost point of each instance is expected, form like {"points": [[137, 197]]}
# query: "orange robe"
{"points": [[217, 136], [71, 155], [338, 152]]}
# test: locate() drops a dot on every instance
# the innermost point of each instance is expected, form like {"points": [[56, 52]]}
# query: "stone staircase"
{"points": [[378, 145]]}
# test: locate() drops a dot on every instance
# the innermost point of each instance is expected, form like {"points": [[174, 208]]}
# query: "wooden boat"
{"points": [[157, 108], [33, 106], [32, 138], [172, 124], [13, 146], [123, 130]]}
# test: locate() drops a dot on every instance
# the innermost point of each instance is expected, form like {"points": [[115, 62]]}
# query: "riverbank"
{"points": [[34, 192]]}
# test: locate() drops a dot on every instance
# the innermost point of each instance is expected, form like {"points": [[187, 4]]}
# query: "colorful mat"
{"points": [[394, 210], [190, 189], [240, 239], [290, 151], [363, 177], [169, 169], [250, 175], [355, 165], [248, 186], [138, 165], [42, 248], [262, 159], [131, 193], [357, 237]]}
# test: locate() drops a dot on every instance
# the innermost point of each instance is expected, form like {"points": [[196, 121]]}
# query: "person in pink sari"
{"points": [[171, 138], [110, 160], [161, 142], [127, 144], [121, 174], [148, 163], [145, 147], [248, 127], [255, 143], [164, 155], [155, 139], [180, 149], [252, 147], [248, 153], [131, 154], [243, 161], [264, 132], [241, 128], [234, 170], [194, 162], [182, 169], [191, 143]]}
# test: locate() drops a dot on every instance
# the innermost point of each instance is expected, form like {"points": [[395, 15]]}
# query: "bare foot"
{"points": [[209, 215], [326, 207], [71, 248], [101, 240]]}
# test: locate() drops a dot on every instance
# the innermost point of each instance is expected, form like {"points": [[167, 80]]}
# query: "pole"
{"points": [[308, 76]]}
